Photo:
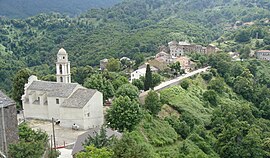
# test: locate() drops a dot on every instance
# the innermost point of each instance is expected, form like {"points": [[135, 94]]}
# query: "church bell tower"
{"points": [[63, 74]]}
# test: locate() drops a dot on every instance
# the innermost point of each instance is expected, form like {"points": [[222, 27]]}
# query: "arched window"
{"points": [[61, 69]]}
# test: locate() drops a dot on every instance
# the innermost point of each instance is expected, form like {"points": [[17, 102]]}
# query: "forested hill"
{"points": [[127, 29], [26, 8]]}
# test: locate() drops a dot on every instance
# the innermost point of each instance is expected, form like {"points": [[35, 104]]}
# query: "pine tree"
{"points": [[148, 78]]}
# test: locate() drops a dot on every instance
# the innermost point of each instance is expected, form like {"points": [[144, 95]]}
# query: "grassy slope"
{"points": [[161, 137]]}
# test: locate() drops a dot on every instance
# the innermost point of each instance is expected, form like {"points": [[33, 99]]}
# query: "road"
{"points": [[172, 82]]}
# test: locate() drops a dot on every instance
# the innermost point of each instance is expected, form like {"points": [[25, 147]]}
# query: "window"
{"points": [[57, 101], [63, 57], [61, 79], [88, 114]]}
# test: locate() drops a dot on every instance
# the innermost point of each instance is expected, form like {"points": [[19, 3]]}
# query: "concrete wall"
{"points": [[53, 108], [69, 116], [34, 107], [93, 112]]}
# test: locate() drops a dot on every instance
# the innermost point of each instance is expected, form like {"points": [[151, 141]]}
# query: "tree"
{"points": [[99, 140], [31, 143], [113, 65], [244, 87], [156, 79], [93, 152], [211, 97], [207, 76], [148, 82], [152, 103], [217, 85], [184, 84], [176, 68], [124, 114], [100, 83], [138, 83], [242, 36], [244, 52], [119, 81], [20, 79], [128, 90], [128, 147]]}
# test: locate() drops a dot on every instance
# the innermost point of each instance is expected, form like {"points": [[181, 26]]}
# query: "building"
{"points": [[182, 48], [141, 72], [103, 63], [63, 67], [8, 123], [92, 133], [263, 54], [186, 63], [163, 57], [70, 103]]}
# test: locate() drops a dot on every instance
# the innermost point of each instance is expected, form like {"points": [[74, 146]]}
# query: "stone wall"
{"points": [[11, 125]]}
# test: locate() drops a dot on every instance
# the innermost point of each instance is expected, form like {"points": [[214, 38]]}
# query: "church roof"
{"points": [[79, 98], [62, 51], [53, 89], [5, 101]]}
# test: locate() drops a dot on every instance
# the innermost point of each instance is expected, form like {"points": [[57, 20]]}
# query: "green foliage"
{"points": [[119, 81], [242, 36], [113, 65], [100, 83], [128, 90], [184, 84], [124, 114], [156, 79], [152, 103], [93, 152], [138, 83], [211, 97], [100, 139], [128, 147], [20, 79], [176, 68], [207, 76], [31, 143], [217, 85], [148, 81]]}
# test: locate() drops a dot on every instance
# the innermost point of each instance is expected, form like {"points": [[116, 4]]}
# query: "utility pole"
{"points": [[53, 134]]}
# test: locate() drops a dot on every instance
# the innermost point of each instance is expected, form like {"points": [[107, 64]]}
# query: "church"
{"points": [[69, 103]]}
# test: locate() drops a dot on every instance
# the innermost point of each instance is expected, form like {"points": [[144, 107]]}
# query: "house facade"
{"points": [[8, 123], [263, 54], [70, 103]]}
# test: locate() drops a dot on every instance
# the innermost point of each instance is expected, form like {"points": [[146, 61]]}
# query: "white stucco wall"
{"points": [[53, 108], [36, 109], [93, 112], [69, 116], [137, 74]]}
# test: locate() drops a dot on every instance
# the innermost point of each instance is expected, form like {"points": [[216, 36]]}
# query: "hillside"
{"points": [[127, 29], [26, 8]]}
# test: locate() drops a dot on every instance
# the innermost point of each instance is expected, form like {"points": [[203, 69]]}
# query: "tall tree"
{"points": [[148, 82], [20, 79], [152, 103], [113, 65], [93, 152], [128, 90], [124, 114]]}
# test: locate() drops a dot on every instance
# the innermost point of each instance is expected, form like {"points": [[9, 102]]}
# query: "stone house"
{"points": [[70, 103], [263, 55], [186, 63], [103, 63], [8, 123]]}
